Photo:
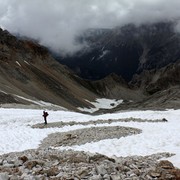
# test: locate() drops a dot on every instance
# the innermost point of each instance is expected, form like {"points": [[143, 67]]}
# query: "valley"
{"points": [[107, 119]]}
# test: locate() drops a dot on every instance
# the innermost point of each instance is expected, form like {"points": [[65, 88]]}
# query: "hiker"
{"points": [[45, 114], [164, 120]]}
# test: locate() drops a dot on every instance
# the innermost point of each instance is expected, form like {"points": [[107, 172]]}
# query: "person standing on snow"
{"points": [[45, 114]]}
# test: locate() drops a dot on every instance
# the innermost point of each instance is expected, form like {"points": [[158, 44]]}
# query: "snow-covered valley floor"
{"points": [[16, 133]]}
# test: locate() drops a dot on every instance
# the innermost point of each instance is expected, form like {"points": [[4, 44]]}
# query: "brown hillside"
{"points": [[28, 70]]}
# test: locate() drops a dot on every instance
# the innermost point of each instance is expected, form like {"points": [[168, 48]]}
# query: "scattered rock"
{"points": [[115, 177], [82, 136], [56, 165], [83, 172], [165, 171], [4, 176], [30, 164], [23, 159], [155, 174], [100, 169], [72, 123], [96, 177], [48, 163], [54, 171], [165, 165]]}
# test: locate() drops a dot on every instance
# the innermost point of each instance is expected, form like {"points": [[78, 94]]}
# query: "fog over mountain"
{"points": [[56, 23]]}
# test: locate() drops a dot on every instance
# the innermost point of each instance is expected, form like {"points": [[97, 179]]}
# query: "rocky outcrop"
{"points": [[159, 79], [165, 170], [115, 87], [58, 165]]}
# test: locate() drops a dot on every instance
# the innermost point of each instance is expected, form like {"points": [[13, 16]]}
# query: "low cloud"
{"points": [[56, 23]]}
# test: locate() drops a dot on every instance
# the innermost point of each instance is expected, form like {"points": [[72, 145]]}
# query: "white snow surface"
{"points": [[18, 63], [40, 103], [103, 54], [102, 103], [16, 133]]}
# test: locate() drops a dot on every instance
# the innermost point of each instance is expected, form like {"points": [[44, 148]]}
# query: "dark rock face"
{"points": [[126, 50]]}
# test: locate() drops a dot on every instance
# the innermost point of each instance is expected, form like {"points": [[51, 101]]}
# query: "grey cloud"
{"points": [[56, 23]]}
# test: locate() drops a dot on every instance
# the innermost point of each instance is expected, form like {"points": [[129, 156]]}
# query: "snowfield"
{"points": [[16, 133], [102, 103]]}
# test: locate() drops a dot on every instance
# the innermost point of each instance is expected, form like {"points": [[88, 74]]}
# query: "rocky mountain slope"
{"points": [[155, 89], [156, 80], [161, 86], [114, 86], [28, 73]]}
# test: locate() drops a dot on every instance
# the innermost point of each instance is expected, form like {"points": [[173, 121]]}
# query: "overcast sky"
{"points": [[55, 23]]}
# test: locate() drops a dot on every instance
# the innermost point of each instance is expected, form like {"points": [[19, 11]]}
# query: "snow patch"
{"points": [[40, 103], [101, 104], [103, 54], [3, 92], [18, 63], [26, 62], [92, 58]]}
